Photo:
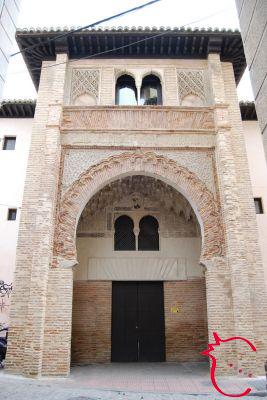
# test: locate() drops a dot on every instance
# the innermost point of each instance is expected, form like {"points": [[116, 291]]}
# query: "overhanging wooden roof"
{"points": [[108, 43], [17, 108]]}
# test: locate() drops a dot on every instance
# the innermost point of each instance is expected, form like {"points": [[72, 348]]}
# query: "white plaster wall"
{"points": [[181, 248], [258, 174], [13, 165]]}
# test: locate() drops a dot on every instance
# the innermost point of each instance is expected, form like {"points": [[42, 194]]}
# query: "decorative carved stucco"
{"points": [[77, 161], [110, 118], [139, 195], [145, 163], [84, 81], [191, 82]]}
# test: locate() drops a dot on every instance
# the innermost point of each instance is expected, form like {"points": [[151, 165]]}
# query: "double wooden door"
{"points": [[138, 330]]}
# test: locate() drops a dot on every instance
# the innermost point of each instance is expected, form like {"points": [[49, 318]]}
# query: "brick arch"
{"points": [[147, 163]]}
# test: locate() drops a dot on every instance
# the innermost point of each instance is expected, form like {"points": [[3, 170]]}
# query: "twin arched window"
{"points": [[148, 238], [127, 94], [124, 237], [151, 93]]}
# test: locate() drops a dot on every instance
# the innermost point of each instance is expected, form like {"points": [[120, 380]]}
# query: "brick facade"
{"points": [[91, 322], [186, 331], [219, 193]]}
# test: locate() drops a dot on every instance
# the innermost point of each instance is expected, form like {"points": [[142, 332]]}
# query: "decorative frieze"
{"points": [[76, 161], [145, 118]]}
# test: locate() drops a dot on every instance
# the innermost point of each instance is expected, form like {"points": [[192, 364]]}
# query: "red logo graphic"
{"points": [[207, 352]]}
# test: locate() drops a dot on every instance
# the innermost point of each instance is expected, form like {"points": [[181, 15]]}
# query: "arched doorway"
{"points": [[138, 281], [206, 207]]}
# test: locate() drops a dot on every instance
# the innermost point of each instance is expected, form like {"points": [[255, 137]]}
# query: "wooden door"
{"points": [[138, 331]]}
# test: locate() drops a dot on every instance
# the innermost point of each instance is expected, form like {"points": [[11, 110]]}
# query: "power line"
{"points": [[121, 47], [87, 26], [124, 46]]}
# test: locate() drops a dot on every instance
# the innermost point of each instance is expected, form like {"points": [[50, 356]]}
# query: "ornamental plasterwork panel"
{"points": [[77, 161], [199, 162], [139, 195], [191, 82], [84, 81]]}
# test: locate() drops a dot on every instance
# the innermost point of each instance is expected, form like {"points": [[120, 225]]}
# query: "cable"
{"points": [[124, 46], [121, 47], [86, 26]]}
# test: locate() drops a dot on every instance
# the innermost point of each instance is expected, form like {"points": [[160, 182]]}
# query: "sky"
{"points": [[167, 13]]}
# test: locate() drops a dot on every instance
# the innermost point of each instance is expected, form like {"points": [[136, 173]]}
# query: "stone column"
{"points": [[138, 83], [239, 220], [35, 241]]}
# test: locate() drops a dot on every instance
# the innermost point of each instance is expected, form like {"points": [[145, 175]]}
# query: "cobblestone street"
{"points": [[128, 381]]}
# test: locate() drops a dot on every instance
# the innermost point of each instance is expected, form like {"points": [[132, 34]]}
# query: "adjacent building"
{"points": [[138, 237], [16, 119], [253, 22], [9, 10]]}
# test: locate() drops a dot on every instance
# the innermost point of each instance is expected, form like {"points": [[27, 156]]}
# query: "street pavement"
{"points": [[164, 381]]}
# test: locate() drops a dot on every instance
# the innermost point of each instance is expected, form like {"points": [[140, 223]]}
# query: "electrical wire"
{"points": [[121, 47], [86, 26]]}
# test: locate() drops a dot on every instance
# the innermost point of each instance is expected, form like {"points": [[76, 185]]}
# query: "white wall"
{"points": [[258, 174], [185, 250], [13, 165]]}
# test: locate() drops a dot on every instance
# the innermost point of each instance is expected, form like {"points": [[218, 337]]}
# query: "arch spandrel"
{"points": [[203, 202]]}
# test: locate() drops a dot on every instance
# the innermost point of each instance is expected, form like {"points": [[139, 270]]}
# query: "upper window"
{"points": [[151, 92], [258, 205], [9, 143], [126, 92], [124, 238], [148, 238]]}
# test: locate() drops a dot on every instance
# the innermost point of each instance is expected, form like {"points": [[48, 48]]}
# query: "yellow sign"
{"points": [[175, 310]]}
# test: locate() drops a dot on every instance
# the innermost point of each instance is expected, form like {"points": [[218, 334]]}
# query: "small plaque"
{"points": [[175, 310]]}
